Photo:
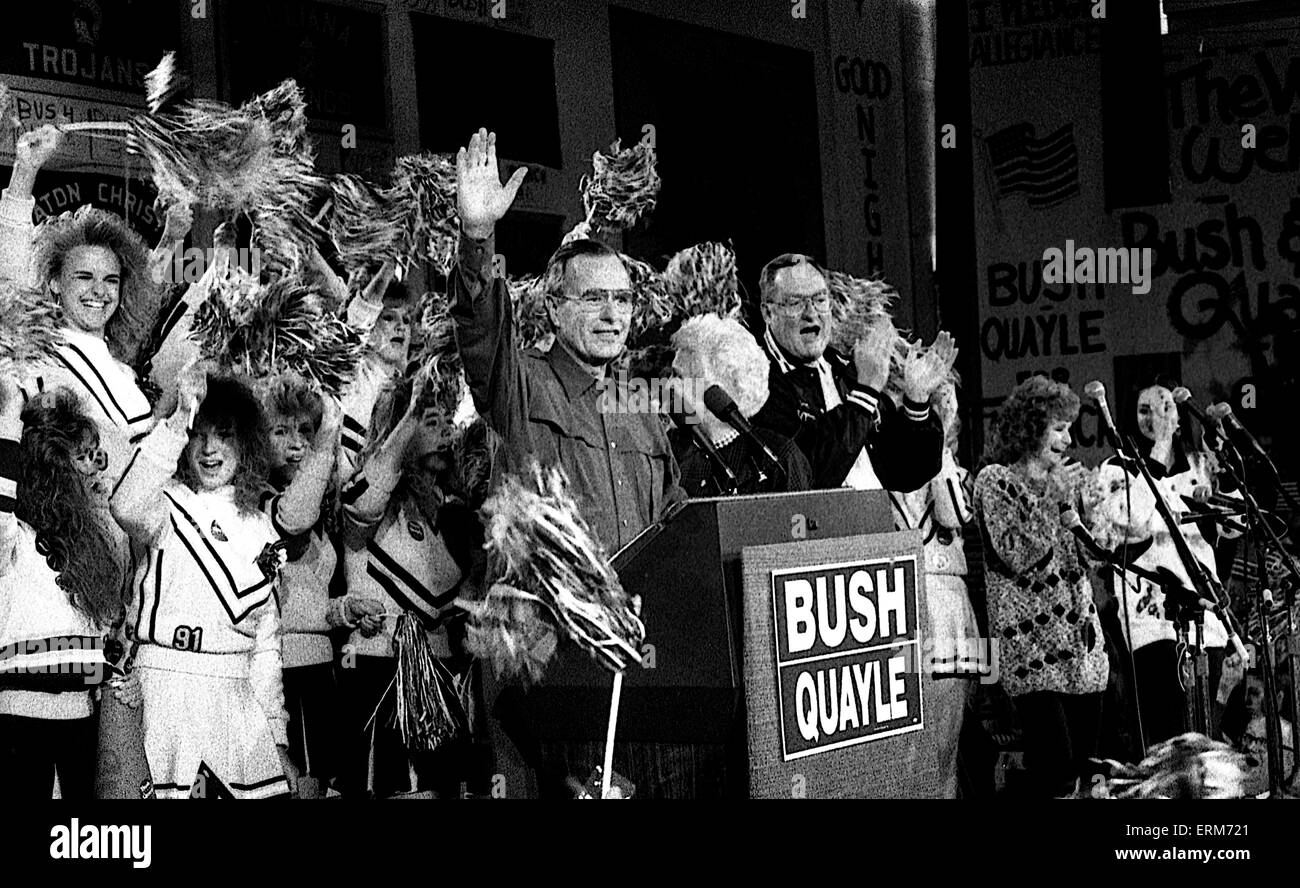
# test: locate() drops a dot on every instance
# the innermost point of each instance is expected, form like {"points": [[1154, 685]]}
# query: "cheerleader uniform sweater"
{"points": [[395, 556], [200, 588], [1041, 612], [49, 650]]}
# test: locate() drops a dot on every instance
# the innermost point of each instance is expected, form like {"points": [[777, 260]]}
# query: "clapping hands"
{"points": [[925, 369]]}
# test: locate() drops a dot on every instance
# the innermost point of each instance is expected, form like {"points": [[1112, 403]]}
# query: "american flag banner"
{"points": [[1046, 169]]}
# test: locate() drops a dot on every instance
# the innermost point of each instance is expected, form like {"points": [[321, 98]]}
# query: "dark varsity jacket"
{"points": [[905, 444]]}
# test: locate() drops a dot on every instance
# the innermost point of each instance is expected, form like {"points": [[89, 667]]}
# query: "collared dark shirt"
{"points": [[548, 407]]}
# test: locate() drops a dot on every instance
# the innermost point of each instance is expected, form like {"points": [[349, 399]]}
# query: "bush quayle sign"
{"points": [[847, 651]]}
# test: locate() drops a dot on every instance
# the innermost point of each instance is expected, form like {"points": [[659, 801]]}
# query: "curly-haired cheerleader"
{"points": [[96, 268], [205, 620], [410, 546], [61, 584], [304, 436]]}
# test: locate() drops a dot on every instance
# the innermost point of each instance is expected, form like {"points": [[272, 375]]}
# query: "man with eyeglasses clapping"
{"points": [[833, 406]]}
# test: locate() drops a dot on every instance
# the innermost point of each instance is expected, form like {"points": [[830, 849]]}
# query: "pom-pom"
{"points": [[623, 186], [430, 710], [551, 570], [254, 160], [283, 326], [532, 322], [163, 83], [857, 305], [425, 184], [1190, 766], [702, 279], [30, 321], [510, 629], [414, 219]]}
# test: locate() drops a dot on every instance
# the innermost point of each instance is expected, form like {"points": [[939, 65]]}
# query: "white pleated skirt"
{"points": [[206, 736]]}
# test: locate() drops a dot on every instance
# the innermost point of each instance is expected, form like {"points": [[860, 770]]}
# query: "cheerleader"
{"points": [[384, 309], [96, 268], [1051, 654], [61, 582], [304, 439], [205, 624], [940, 510], [410, 546]]}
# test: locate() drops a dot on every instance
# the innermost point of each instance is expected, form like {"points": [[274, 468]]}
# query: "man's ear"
{"points": [[552, 311], [765, 311], [55, 287]]}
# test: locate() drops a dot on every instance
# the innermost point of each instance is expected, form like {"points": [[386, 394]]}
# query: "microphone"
{"points": [[1097, 392], [1223, 413], [722, 406], [706, 445], [1183, 398], [1071, 522], [1201, 496]]}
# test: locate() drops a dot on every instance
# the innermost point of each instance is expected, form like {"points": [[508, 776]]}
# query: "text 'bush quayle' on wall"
{"points": [[847, 647]]}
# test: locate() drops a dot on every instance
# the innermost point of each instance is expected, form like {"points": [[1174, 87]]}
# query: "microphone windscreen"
{"points": [[1070, 519], [1095, 390], [1181, 394], [1201, 493], [718, 401], [1218, 411]]}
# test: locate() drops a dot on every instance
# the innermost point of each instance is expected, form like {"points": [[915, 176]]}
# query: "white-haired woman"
{"points": [[712, 350]]}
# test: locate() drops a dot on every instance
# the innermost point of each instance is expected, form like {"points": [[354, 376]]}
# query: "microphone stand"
{"points": [[1205, 588], [1265, 537]]}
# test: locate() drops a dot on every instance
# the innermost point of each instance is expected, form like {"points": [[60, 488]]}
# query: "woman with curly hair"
{"points": [[411, 539], [61, 584], [205, 621], [304, 429], [1042, 618], [96, 268]]}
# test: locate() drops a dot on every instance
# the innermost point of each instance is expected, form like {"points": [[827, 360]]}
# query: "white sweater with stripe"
{"points": [[392, 554], [41, 634], [200, 588]]}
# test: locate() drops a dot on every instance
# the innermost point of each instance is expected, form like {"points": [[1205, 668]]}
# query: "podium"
{"points": [[688, 571]]}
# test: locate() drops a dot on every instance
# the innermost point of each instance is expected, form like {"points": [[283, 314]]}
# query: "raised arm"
{"points": [[137, 503], [481, 302], [365, 497], [33, 150], [297, 510]]}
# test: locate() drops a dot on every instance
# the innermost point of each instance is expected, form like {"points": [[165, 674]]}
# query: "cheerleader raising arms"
{"points": [[61, 583], [409, 546], [95, 268], [205, 620]]}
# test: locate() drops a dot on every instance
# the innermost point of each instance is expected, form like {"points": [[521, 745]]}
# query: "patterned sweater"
{"points": [[1041, 612]]}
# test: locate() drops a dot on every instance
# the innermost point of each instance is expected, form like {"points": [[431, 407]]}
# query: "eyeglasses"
{"points": [[794, 307], [592, 301], [91, 460]]}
